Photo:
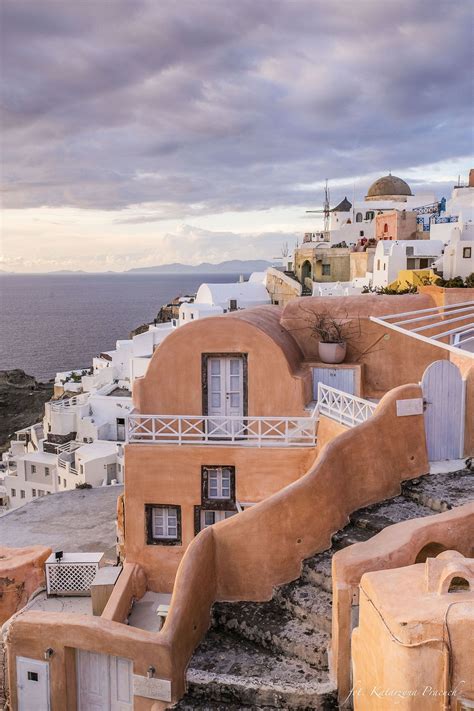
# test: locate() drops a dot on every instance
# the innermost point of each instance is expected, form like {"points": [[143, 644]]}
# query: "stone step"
{"points": [[231, 673], [349, 535], [443, 491], [376, 517], [317, 569], [306, 601], [268, 625]]}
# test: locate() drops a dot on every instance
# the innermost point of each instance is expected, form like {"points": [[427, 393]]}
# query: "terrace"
{"points": [[251, 431]]}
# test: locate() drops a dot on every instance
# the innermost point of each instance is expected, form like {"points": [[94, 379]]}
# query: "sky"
{"points": [[143, 132]]}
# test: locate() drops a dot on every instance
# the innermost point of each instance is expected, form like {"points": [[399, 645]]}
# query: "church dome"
{"points": [[389, 188]]}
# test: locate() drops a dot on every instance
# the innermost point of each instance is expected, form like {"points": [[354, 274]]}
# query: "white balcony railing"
{"points": [[193, 429], [70, 404], [344, 408]]}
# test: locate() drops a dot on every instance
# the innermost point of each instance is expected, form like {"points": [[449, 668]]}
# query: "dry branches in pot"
{"points": [[333, 335]]}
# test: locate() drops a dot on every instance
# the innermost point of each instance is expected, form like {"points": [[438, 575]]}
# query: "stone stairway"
{"points": [[274, 654]]}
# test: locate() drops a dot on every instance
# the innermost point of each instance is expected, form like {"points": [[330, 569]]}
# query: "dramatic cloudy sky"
{"points": [[140, 132]]}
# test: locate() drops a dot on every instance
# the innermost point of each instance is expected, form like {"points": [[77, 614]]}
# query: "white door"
{"points": [[104, 683], [339, 378], [225, 394], [443, 395], [32, 680]]}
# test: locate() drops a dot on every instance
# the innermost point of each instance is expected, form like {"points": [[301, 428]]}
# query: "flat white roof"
{"points": [[95, 450], [220, 294], [421, 247], [40, 457]]}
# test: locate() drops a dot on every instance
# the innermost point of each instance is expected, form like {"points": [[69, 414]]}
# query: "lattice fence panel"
{"points": [[70, 578]]}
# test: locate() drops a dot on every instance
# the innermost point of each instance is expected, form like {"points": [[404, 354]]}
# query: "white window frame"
{"points": [[33, 468], [165, 513], [217, 515], [218, 474], [46, 471]]}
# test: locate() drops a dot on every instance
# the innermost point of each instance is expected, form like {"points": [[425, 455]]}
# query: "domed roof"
{"points": [[387, 186]]}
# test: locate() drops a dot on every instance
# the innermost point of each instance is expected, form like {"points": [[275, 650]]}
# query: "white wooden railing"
{"points": [[193, 429], [344, 408], [71, 403]]}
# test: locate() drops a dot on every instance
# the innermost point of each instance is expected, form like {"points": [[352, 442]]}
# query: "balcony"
{"points": [[249, 431]]}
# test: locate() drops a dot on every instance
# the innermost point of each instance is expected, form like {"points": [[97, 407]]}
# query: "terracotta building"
{"points": [[241, 463], [397, 225]]}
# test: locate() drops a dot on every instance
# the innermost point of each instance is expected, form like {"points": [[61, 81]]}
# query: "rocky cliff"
{"points": [[22, 401]]}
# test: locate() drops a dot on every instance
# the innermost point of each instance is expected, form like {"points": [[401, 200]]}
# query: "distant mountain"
{"points": [[69, 271], [232, 266]]}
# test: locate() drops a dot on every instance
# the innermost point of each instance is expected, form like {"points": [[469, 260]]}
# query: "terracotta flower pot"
{"points": [[332, 352]]}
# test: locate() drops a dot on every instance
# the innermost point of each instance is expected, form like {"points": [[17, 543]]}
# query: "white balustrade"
{"points": [[194, 429], [70, 404], [342, 407]]}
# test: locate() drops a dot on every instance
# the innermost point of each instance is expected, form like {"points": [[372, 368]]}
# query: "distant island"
{"points": [[233, 266], [230, 267]]}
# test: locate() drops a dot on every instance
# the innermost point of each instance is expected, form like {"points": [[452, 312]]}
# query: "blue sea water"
{"points": [[50, 323]]}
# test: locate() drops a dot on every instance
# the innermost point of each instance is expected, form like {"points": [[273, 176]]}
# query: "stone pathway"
{"points": [[273, 655]]}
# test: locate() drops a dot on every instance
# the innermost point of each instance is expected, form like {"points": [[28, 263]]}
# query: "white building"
{"points": [[459, 210], [458, 257], [215, 299], [351, 222], [391, 257]]}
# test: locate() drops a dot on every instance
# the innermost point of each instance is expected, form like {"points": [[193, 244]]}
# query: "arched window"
{"points": [[385, 227], [359, 217]]}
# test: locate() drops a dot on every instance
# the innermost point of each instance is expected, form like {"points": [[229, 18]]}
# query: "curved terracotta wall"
{"points": [[244, 557], [265, 545], [389, 358], [278, 384], [395, 547], [21, 573]]}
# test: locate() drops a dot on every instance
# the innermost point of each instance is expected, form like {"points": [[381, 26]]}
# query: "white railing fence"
{"points": [[344, 408], [193, 429], [71, 403]]}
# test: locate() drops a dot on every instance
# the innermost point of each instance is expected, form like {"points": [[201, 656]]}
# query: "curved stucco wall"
{"points": [[394, 547], [277, 383], [389, 358]]}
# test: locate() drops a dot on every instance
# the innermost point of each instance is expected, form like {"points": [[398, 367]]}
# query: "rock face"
{"points": [[22, 401]]}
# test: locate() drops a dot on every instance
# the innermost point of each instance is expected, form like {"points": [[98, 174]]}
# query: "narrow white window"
{"points": [[219, 483], [165, 522]]}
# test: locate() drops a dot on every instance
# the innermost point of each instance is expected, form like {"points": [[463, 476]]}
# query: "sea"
{"points": [[57, 322]]}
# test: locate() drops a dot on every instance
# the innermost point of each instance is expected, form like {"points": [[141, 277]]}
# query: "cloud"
{"points": [[200, 108], [186, 244]]}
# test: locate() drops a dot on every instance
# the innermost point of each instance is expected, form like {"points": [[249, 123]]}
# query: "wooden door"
{"points": [[32, 678], [104, 683], [225, 397], [339, 378], [443, 394]]}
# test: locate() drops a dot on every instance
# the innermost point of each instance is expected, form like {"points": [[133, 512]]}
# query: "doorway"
{"points": [[225, 392], [104, 683], [32, 680], [443, 397]]}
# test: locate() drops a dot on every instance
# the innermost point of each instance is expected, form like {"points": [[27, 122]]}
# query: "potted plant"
{"points": [[333, 335]]}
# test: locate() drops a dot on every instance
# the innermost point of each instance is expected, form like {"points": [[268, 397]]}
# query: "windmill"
{"points": [[325, 211]]}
